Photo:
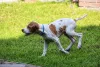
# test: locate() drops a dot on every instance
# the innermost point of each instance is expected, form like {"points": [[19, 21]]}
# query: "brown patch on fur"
{"points": [[53, 29], [33, 26], [62, 29]]}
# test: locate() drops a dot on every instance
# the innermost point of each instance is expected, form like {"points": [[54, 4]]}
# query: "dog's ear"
{"points": [[33, 26]]}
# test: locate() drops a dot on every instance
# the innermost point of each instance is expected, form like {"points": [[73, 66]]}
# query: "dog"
{"points": [[54, 30]]}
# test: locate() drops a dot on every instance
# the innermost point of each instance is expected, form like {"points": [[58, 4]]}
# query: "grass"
{"points": [[14, 46]]}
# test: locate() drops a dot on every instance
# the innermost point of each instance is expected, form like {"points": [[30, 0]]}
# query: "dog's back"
{"points": [[61, 24]]}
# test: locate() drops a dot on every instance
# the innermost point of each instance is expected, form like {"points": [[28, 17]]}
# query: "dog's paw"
{"points": [[79, 46], [66, 52], [43, 55]]}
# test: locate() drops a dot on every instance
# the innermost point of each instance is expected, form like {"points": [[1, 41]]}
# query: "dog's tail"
{"points": [[80, 17]]}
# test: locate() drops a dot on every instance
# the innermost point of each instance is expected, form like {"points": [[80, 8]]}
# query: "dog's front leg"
{"points": [[45, 48]]}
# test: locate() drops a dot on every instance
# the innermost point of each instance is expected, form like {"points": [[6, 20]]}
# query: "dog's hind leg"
{"points": [[70, 31], [71, 43]]}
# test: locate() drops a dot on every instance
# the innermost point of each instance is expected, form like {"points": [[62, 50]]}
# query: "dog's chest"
{"points": [[47, 32]]}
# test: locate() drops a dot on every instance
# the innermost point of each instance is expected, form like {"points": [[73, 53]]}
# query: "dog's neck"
{"points": [[41, 29]]}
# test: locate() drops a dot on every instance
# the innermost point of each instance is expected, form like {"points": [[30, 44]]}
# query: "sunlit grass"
{"points": [[14, 46]]}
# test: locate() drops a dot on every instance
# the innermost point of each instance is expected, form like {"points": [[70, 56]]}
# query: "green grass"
{"points": [[14, 46]]}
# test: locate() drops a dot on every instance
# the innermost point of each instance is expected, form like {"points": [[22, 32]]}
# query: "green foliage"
{"points": [[14, 46]]}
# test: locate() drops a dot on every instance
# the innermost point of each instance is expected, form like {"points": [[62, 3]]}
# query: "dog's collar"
{"points": [[42, 32]]}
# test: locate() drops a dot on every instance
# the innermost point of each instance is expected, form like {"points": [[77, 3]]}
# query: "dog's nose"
{"points": [[22, 30]]}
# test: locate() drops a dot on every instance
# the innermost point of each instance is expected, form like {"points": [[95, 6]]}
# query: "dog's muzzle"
{"points": [[26, 34]]}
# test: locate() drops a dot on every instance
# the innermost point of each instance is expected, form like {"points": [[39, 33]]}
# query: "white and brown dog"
{"points": [[54, 30]]}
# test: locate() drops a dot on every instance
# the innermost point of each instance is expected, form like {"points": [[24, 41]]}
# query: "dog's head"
{"points": [[31, 28]]}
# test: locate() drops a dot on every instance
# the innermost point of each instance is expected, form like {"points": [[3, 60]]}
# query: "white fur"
{"points": [[26, 30]]}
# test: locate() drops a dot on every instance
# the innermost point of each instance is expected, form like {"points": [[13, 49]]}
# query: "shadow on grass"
{"points": [[27, 49], [22, 49]]}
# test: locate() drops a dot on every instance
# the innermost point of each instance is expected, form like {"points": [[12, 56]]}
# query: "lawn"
{"points": [[14, 46]]}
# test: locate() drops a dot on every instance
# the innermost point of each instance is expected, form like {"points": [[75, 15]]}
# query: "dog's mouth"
{"points": [[26, 33]]}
